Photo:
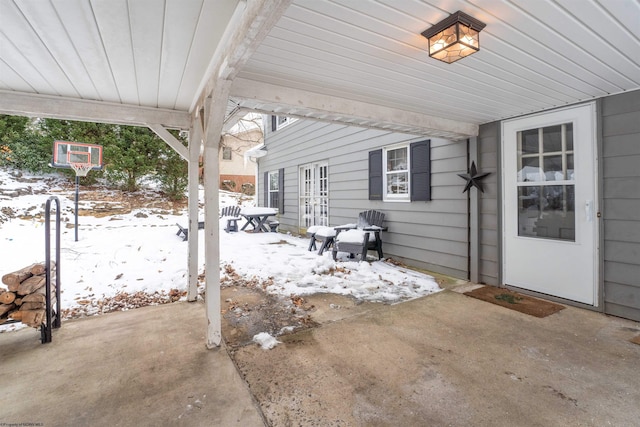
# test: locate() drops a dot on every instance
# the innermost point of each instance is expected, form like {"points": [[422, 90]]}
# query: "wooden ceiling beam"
{"points": [[313, 105], [57, 107]]}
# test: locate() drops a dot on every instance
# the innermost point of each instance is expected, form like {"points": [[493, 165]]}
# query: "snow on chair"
{"points": [[361, 237], [322, 234]]}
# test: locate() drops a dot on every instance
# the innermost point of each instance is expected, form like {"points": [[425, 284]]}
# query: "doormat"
{"points": [[515, 301]]}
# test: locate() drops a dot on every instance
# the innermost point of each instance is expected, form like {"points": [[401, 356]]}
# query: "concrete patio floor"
{"points": [[143, 367], [442, 360]]}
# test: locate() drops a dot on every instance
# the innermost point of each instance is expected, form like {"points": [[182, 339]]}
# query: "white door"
{"points": [[314, 195], [549, 192]]}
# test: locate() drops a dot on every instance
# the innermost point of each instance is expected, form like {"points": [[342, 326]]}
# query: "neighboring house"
{"points": [[559, 216], [237, 172]]}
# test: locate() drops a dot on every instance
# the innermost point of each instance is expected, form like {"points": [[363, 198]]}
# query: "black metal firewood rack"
{"points": [[52, 319]]}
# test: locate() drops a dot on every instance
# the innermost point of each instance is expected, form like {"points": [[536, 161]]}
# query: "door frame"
{"points": [[597, 259], [314, 167]]}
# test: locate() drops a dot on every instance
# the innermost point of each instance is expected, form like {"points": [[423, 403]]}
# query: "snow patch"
{"points": [[131, 253], [265, 340]]}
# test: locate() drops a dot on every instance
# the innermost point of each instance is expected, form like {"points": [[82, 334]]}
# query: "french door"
{"points": [[549, 209], [314, 194]]}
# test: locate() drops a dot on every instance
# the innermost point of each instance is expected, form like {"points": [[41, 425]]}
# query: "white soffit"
{"points": [[366, 54], [535, 55], [147, 53]]}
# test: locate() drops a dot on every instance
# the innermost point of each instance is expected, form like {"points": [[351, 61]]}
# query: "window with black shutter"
{"points": [[401, 172], [420, 171], [281, 191], [375, 175]]}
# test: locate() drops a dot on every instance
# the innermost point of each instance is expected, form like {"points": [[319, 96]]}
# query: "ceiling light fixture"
{"points": [[454, 37]]}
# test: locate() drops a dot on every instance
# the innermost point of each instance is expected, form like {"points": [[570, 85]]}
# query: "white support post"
{"points": [[215, 108], [252, 21], [195, 141]]}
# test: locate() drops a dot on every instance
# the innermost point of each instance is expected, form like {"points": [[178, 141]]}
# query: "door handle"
{"points": [[588, 208]]}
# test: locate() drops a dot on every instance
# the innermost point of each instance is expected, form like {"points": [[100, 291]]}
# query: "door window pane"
{"points": [[552, 138], [553, 168], [569, 136], [530, 143], [547, 212], [530, 170], [554, 162]]}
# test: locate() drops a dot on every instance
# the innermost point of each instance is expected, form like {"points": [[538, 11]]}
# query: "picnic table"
{"points": [[258, 218]]}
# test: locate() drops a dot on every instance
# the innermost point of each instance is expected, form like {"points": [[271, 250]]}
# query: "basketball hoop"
{"points": [[82, 169], [81, 158]]}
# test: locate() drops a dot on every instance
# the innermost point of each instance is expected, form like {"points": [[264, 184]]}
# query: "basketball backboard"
{"points": [[65, 153]]}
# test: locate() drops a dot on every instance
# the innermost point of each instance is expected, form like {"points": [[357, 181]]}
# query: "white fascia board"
{"points": [[331, 108], [57, 107]]}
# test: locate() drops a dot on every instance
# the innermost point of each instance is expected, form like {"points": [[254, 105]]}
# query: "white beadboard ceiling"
{"points": [[357, 61], [535, 55], [151, 53]]}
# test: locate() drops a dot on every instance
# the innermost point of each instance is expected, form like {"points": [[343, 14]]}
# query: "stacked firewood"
{"points": [[25, 299]]}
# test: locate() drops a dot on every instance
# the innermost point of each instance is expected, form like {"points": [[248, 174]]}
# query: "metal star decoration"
{"points": [[473, 178]]}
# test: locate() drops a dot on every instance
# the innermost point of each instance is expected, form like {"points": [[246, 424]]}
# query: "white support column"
{"points": [[251, 23], [195, 141], [215, 109]]}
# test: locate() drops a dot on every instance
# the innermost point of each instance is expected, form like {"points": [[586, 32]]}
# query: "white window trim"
{"points": [[270, 190], [286, 121], [396, 197]]}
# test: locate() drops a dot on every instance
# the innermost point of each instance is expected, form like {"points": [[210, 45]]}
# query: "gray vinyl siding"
{"points": [[488, 161], [431, 235], [620, 120]]}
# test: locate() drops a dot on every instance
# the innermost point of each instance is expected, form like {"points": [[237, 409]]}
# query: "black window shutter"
{"points": [[274, 123], [375, 175], [266, 189], [420, 171], [281, 191]]}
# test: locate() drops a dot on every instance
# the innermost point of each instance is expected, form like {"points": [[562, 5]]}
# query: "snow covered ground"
{"points": [[136, 251]]}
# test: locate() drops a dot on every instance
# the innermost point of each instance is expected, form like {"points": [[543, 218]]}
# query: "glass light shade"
{"points": [[454, 37], [454, 43]]}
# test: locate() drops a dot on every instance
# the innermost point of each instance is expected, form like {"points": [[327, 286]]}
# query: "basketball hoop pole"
{"points": [[81, 169], [77, 197]]}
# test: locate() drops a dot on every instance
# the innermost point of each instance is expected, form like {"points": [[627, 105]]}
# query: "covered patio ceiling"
{"points": [[361, 62], [534, 55]]}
